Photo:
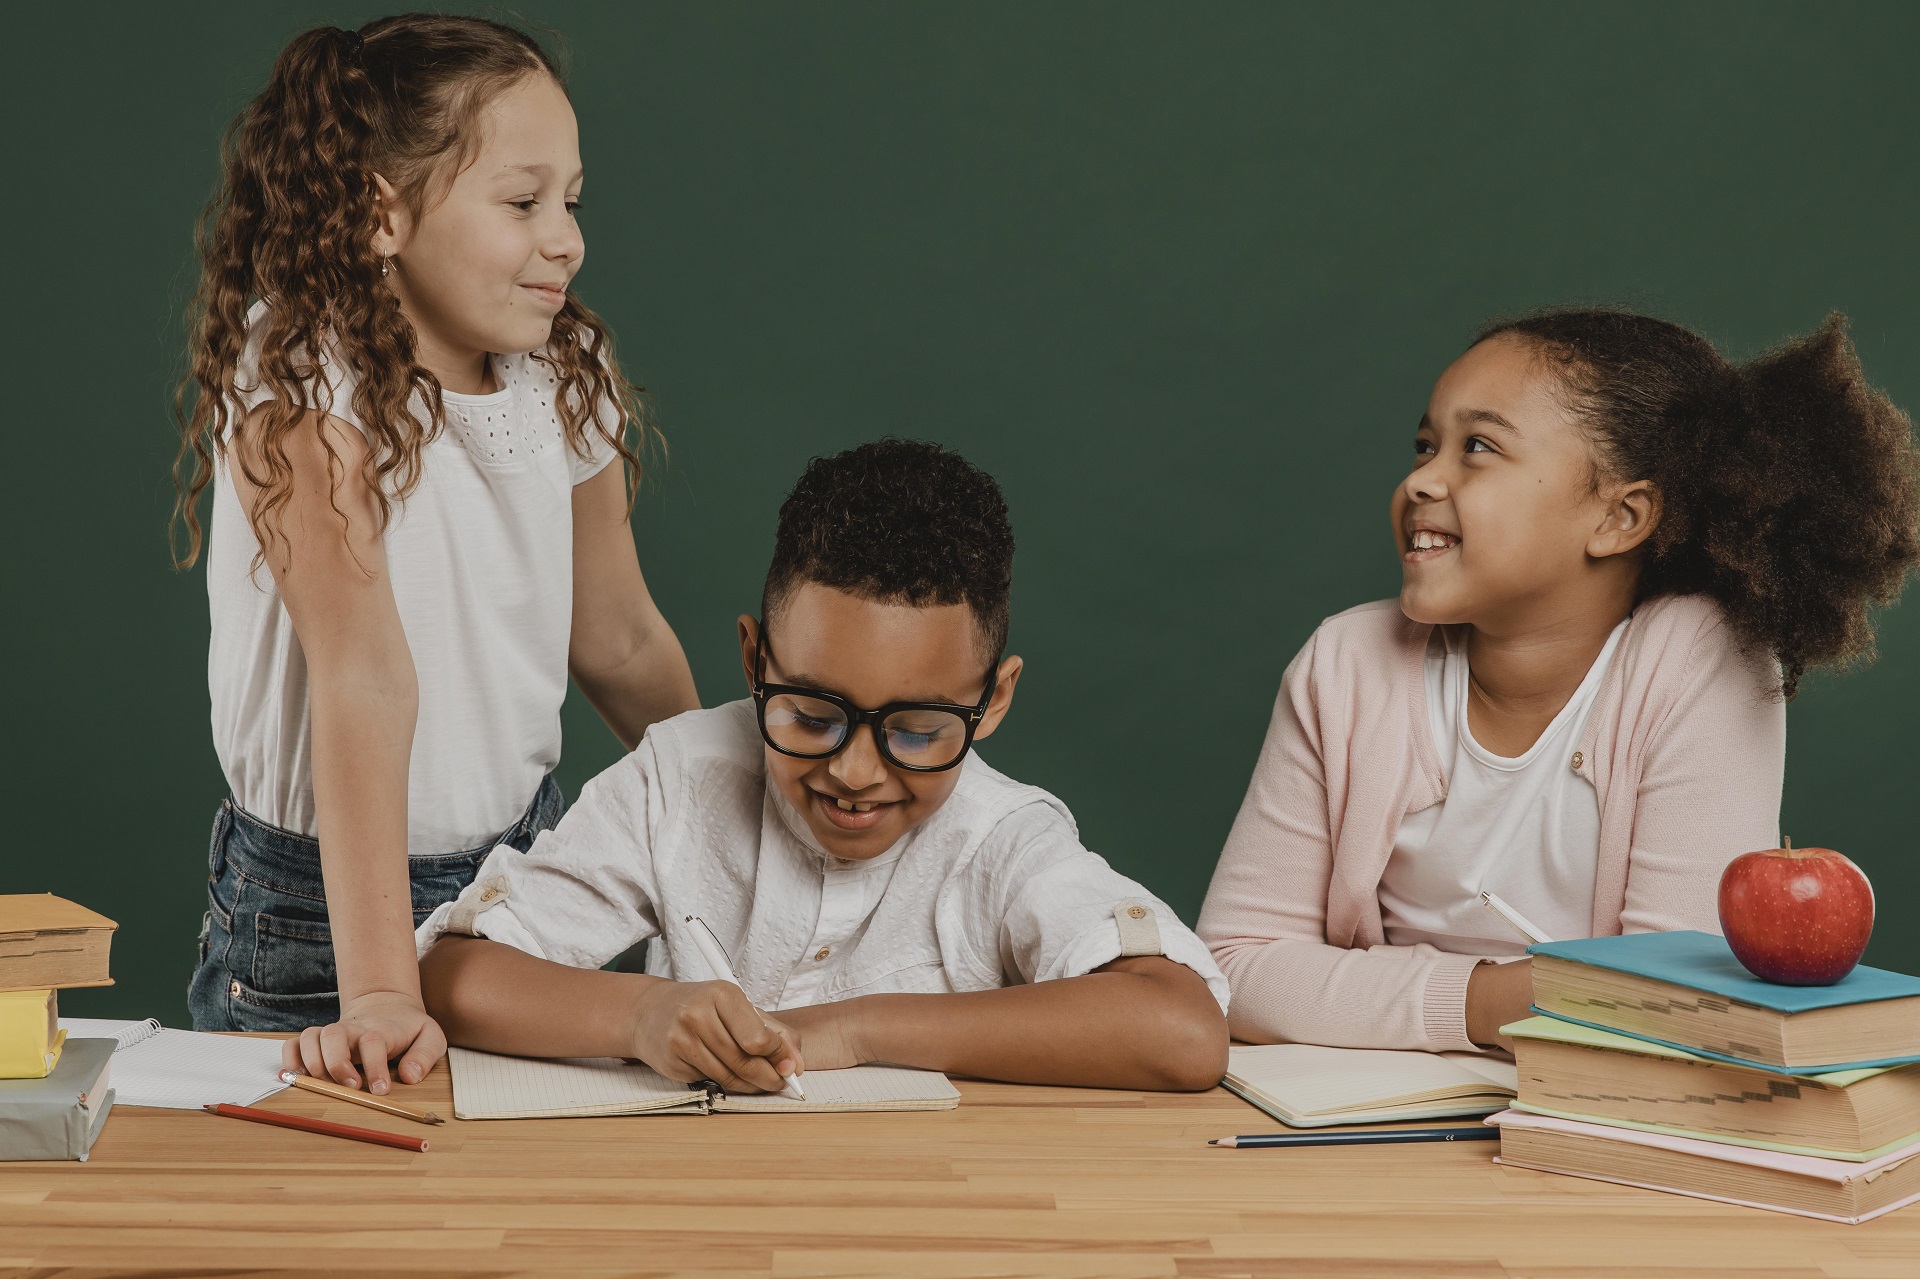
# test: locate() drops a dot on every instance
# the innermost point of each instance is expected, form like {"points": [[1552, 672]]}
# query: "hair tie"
{"points": [[355, 42]]}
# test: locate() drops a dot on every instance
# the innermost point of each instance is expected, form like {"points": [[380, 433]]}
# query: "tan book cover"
{"points": [[48, 941]]}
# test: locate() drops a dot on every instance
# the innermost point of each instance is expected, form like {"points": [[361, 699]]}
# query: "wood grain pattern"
{"points": [[1017, 1181]]}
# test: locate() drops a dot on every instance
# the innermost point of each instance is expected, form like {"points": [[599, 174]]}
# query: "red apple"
{"points": [[1796, 916]]}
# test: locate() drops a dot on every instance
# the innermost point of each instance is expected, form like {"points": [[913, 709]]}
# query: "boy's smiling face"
{"points": [[871, 652]]}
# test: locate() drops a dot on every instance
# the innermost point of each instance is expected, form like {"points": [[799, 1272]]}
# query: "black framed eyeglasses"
{"points": [[810, 723]]}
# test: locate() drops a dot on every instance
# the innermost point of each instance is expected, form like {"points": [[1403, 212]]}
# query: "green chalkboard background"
{"points": [[1180, 275]]}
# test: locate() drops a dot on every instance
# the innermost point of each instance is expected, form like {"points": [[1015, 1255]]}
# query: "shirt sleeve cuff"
{"points": [[1102, 944], [1444, 1004]]}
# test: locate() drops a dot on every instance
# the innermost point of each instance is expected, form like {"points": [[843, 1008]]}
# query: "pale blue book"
{"points": [[59, 1116], [1686, 990]]}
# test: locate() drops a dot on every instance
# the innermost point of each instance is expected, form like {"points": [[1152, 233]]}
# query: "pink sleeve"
{"points": [[1265, 917], [1709, 791]]}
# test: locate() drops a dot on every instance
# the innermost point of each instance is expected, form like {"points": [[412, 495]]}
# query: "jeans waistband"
{"points": [[290, 861]]}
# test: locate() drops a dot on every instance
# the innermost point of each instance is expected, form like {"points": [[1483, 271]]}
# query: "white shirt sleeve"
{"points": [[1065, 912], [586, 890], [327, 385]]}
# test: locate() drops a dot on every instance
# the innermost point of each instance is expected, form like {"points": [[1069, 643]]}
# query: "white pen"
{"points": [[717, 961], [1515, 920]]}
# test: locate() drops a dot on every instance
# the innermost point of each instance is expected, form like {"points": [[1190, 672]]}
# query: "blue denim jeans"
{"points": [[266, 954]]}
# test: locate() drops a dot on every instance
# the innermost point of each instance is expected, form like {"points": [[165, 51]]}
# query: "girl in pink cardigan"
{"points": [[1619, 555]]}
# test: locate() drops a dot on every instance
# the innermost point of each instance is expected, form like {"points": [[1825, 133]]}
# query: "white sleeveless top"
{"points": [[1525, 827], [480, 555]]}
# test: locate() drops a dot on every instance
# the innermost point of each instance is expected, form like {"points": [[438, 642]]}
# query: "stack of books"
{"points": [[1659, 1061], [54, 1095]]}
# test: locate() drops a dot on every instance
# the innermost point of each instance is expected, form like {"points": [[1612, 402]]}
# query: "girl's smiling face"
{"points": [[485, 267], [1501, 522]]}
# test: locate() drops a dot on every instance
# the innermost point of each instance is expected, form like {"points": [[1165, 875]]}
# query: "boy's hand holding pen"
{"points": [[710, 1030]]}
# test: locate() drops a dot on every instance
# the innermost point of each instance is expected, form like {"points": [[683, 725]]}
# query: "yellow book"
{"points": [[30, 1034]]}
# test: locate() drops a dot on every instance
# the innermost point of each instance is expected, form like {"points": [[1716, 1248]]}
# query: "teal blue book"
{"points": [[1686, 990]]}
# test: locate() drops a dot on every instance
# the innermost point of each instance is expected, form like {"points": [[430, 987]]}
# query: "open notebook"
{"points": [[1308, 1086], [490, 1086], [182, 1069]]}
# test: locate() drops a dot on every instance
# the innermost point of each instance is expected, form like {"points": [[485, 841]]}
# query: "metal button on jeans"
{"points": [[823, 952]]}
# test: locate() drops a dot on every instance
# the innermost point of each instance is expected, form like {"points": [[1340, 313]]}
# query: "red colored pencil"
{"points": [[321, 1126]]}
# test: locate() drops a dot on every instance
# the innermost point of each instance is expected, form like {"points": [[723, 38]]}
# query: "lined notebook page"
{"points": [[492, 1086], [182, 1069], [860, 1088]]}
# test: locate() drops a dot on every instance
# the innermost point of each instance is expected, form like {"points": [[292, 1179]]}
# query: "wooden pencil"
{"points": [[358, 1098], [321, 1126]]}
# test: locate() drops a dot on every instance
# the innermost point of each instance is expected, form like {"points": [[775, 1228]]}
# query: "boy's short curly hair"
{"points": [[1790, 487], [900, 521]]}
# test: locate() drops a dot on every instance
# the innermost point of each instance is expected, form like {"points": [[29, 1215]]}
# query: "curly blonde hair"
{"points": [[293, 223]]}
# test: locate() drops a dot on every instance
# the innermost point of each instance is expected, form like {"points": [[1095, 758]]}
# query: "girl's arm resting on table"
{"points": [[623, 655], [1265, 917], [1138, 1023], [326, 554]]}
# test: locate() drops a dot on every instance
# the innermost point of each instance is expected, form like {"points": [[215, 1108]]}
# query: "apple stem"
{"points": [[1786, 845]]}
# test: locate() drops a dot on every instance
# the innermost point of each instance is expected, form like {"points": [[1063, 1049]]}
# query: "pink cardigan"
{"points": [[1684, 746]]}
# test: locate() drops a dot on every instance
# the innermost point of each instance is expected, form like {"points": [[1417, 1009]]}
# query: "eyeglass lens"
{"points": [[916, 738]]}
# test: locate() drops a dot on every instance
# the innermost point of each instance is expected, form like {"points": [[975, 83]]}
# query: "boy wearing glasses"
{"points": [[881, 892]]}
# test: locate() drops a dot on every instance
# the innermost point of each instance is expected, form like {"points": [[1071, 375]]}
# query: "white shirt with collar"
{"points": [[994, 889]]}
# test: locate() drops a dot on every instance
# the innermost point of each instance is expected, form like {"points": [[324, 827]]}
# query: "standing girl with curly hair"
{"points": [[408, 422], [1619, 553]]}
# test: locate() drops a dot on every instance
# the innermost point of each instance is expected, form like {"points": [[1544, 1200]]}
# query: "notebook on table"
{"points": [[182, 1069], [493, 1086], [1311, 1086]]}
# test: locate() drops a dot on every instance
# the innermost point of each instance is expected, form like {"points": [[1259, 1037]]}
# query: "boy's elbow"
{"points": [[440, 977], [1193, 1054]]}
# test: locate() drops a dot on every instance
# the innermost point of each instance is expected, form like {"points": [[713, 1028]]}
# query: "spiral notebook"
{"points": [[492, 1086], [182, 1069]]}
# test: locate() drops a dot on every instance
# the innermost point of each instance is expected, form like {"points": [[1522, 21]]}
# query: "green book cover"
{"points": [[1579, 1032]]}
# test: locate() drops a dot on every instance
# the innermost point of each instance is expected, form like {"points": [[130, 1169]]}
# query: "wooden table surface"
{"points": [[1017, 1181]]}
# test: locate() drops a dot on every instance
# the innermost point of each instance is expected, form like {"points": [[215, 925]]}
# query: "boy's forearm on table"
{"points": [[1119, 1028], [490, 996]]}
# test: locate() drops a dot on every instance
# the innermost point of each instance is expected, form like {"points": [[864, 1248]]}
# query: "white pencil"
{"points": [[717, 961], [1515, 920]]}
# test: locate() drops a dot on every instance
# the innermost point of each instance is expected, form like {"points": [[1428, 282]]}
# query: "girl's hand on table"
{"points": [[373, 1029]]}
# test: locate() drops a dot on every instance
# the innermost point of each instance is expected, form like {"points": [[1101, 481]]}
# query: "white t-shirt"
{"points": [[1526, 828], [993, 889], [480, 555]]}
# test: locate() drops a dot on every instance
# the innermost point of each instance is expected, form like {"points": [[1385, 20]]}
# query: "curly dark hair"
{"points": [[901, 521], [293, 222], [1790, 488]]}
